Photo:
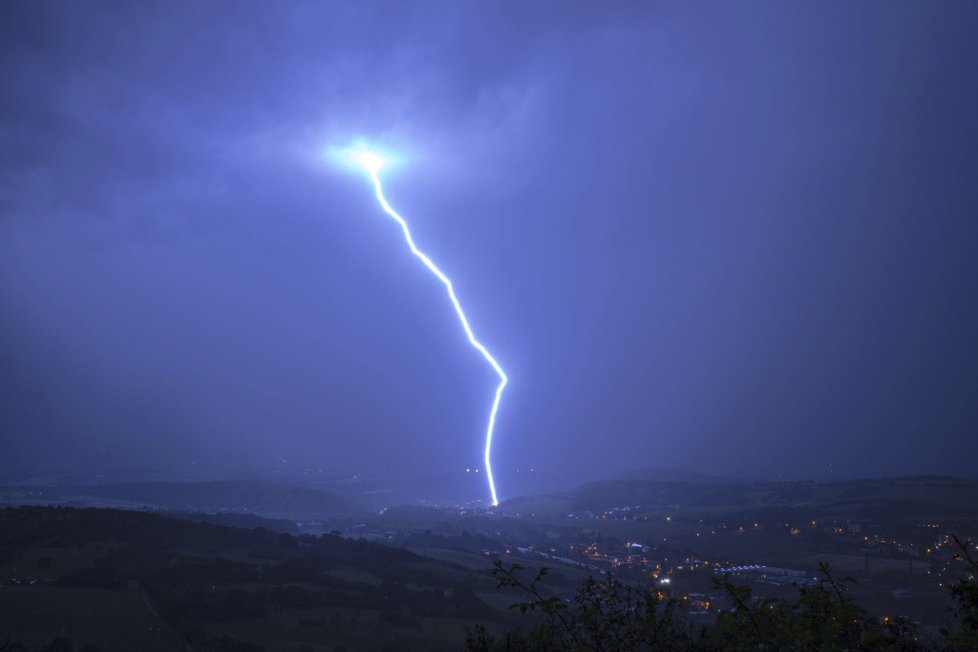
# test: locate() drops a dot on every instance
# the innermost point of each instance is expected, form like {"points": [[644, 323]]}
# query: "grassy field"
{"points": [[472, 560], [353, 630], [749, 547], [352, 574], [47, 563], [109, 619], [855, 565]]}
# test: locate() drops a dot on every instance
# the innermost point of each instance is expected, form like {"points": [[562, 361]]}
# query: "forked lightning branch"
{"points": [[372, 162]]}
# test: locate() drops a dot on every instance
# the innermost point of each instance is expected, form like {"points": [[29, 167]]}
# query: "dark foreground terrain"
{"points": [[120, 580], [109, 579]]}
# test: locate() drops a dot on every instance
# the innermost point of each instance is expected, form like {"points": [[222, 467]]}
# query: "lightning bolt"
{"points": [[372, 163]]}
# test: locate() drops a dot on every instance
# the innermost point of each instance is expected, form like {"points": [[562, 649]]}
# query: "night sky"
{"points": [[738, 238]]}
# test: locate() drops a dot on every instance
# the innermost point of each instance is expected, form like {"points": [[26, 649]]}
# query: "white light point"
{"points": [[372, 162], [369, 160], [361, 158]]}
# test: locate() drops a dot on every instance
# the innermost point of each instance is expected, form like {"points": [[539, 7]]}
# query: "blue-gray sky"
{"points": [[734, 237]]}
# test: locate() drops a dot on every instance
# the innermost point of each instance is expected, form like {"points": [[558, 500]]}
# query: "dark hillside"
{"points": [[187, 583], [254, 496]]}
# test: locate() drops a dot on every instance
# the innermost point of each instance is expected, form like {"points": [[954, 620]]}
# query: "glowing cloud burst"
{"points": [[372, 162]]}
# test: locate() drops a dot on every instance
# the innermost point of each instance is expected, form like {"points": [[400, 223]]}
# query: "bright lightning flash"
{"points": [[372, 163]]}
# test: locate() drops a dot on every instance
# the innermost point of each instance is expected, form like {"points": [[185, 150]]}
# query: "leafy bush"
{"points": [[609, 615], [965, 593]]}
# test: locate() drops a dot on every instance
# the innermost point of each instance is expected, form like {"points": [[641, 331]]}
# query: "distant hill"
{"points": [[596, 496], [252, 496], [244, 521], [909, 495], [54, 476], [677, 475]]}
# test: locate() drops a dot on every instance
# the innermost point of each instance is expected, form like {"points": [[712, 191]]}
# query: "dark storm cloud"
{"points": [[148, 154], [730, 238]]}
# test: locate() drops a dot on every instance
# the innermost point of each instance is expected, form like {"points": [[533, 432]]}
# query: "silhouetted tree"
{"points": [[604, 615], [965, 593], [608, 615], [823, 618]]}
